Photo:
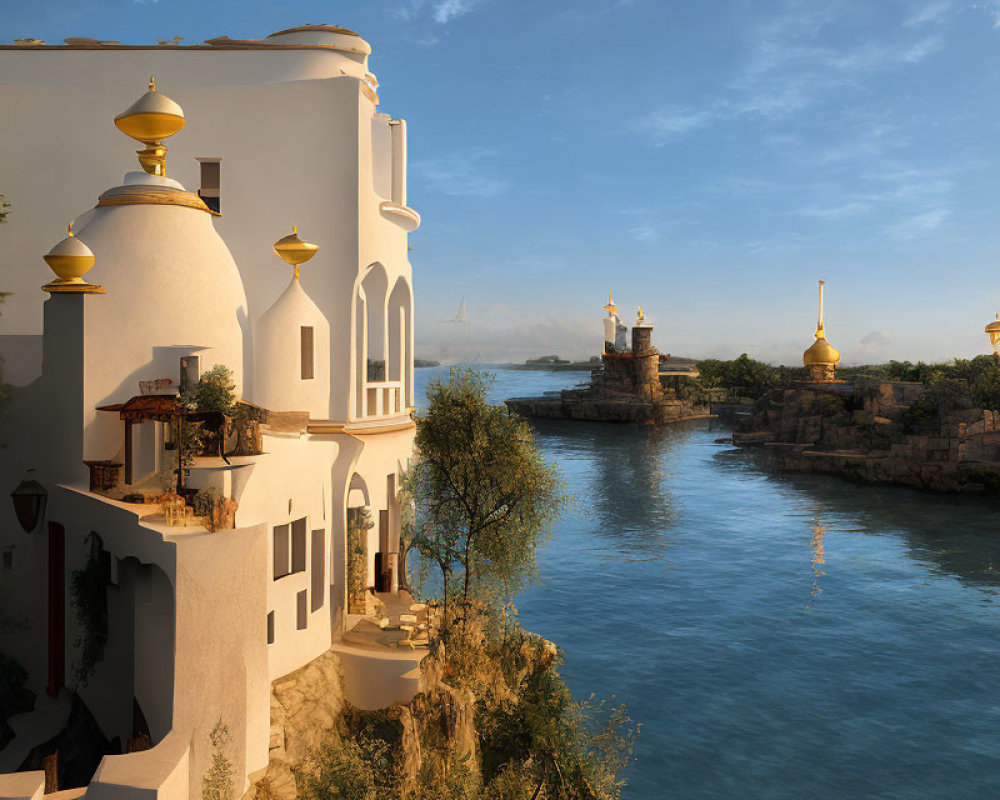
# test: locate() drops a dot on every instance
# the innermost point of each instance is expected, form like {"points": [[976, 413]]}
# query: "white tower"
{"points": [[292, 344]]}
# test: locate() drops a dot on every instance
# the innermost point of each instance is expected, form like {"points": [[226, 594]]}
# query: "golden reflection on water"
{"points": [[818, 554]]}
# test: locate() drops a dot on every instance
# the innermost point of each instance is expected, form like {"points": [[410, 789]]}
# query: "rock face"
{"points": [[629, 388], [892, 433], [304, 708]]}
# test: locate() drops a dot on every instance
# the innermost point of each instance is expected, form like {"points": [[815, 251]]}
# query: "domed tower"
{"points": [[992, 330], [822, 358], [292, 343], [173, 288]]}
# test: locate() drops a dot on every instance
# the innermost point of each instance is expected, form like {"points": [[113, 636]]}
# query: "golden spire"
{"points": [[821, 352], [70, 260], [293, 251], [611, 308], [150, 119], [993, 331], [641, 318], [819, 324]]}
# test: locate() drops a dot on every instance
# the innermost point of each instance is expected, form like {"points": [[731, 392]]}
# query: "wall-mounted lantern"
{"points": [[29, 499]]}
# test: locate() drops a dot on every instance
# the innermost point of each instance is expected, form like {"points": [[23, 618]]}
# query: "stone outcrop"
{"points": [[304, 708], [629, 388], [890, 433]]}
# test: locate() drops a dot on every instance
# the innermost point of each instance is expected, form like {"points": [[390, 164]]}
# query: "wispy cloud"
{"points": [[447, 10], [918, 225], [462, 173], [441, 11], [789, 67], [927, 13]]}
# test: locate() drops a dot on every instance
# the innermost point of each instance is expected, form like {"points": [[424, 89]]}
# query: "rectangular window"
{"points": [[299, 545], [270, 628], [308, 368], [301, 610], [318, 569], [281, 551], [211, 183]]}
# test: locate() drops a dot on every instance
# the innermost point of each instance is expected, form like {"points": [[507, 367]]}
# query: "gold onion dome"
{"points": [[993, 331], [70, 260], [821, 352], [150, 119], [293, 251]]}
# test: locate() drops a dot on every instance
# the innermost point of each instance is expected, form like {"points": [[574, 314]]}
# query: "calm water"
{"points": [[776, 637]]}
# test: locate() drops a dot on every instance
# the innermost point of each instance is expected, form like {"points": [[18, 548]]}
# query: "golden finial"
{"points": [[150, 119], [293, 251], [641, 319], [70, 260], [611, 308]]}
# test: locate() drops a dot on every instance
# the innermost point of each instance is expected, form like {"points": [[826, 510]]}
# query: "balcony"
{"points": [[384, 399]]}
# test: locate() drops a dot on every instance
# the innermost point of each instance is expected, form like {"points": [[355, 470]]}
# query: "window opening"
{"points": [[308, 358]]}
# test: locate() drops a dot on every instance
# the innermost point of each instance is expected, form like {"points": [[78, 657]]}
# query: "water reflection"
{"points": [[957, 535], [626, 472], [818, 554]]}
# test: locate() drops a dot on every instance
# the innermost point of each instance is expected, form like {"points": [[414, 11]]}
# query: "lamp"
{"points": [[29, 499]]}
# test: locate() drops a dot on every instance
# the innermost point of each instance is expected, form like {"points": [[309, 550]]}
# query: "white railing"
{"points": [[383, 399]]}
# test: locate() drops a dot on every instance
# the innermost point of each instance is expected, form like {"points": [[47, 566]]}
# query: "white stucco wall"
{"points": [[278, 381]]}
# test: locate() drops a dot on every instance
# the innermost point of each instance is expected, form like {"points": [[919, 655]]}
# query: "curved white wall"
{"points": [[278, 381], [172, 289]]}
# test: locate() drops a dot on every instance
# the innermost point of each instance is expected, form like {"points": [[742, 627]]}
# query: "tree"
{"points": [[215, 391], [217, 782], [485, 494]]}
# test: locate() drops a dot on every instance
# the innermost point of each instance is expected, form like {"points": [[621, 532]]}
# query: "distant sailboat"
{"points": [[462, 317]]}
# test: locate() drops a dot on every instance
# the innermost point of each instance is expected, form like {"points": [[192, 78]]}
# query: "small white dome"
{"points": [[292, 352]]}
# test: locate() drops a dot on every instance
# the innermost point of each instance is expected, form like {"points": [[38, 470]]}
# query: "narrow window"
{"points": [[299, 545], [301, 610], [270, 628], [211, 182], [308, 370], [280, 551], [318, 569]]}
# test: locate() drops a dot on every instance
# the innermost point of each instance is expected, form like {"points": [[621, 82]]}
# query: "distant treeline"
{"points": [[745, 378]]}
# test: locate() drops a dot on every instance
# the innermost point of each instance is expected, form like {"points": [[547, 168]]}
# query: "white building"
{"points": [[199, 624]]}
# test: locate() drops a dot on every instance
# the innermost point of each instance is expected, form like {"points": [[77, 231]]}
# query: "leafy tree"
{"points": [[215, 391], [486, 495], [217, 782], [741, 377]]}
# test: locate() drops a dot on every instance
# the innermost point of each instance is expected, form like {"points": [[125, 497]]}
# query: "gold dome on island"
{"points": [[822, 357], [993, 331]]}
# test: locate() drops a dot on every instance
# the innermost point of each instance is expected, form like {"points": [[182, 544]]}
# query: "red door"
{"points": [[57, 608]]}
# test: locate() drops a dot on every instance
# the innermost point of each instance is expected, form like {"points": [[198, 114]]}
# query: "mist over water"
{"points": [[776, 636]]}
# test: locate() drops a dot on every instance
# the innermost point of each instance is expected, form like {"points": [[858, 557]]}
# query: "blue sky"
{"points": [[710, 160]]}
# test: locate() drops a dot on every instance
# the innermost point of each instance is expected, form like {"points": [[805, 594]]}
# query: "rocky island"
{"points": [[941, 434], [633, 384]]}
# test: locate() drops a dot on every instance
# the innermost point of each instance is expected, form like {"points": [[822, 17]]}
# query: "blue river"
{"points": [[776, 636]]}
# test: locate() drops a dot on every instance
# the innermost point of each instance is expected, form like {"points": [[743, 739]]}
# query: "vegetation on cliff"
{"points": [[495, 719], [747, 379]]}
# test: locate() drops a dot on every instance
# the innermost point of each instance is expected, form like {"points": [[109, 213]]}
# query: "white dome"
{"points": [[286, 336], [173, 289]]}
